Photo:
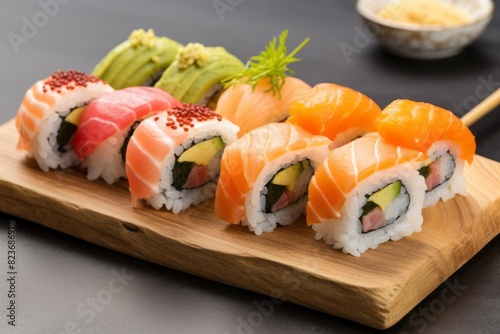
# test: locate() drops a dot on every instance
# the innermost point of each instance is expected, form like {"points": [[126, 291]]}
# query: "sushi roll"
{"points": [[438, 133], [101, 139], [366, 193], [138, 61], [195, 75], [263, 92], [337, 112], [265, 175], [251, 107], [173, 158], [50, 113]]}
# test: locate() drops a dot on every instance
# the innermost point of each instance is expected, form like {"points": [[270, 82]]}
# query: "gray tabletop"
{"points": [[65, 285]]}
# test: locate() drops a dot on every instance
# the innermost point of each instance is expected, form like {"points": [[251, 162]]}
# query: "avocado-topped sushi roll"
{"points": [[265, 174], [436, 132], [50, 113], [107, 125], [366, 193], [138, 61], [196, 74], [173, 158]]}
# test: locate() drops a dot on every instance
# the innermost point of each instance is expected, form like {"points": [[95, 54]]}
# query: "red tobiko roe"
{"points": [[69, 79], [183, 116]]}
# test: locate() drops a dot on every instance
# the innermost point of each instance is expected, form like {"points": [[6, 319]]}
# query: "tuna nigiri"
{"points": [[366, 193], [340, 113], [105, 127], [264, 91], [49, 115], [173, 158], [436, 132], [264, 176]]}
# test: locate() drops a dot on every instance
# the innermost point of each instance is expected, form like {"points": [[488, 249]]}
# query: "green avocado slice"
{"points": [[288, 176], [384, 196], [68, 127], [203, 152], [103, 65], [135, 61], [190, 84], [282, 181]]}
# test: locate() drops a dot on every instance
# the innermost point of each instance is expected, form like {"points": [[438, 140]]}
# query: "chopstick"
{"points": [[482, 109]]}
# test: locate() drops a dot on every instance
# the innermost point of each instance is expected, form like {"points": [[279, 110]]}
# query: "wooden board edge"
{"points": [[123, 239]]}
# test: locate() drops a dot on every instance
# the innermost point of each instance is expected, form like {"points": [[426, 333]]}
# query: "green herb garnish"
{"points": [[270, 63]]}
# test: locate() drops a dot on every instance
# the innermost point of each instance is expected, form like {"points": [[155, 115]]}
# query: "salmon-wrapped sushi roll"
{"points": [[101, 139], [436, 132], [337, 112], [173, 158], [365, 193], [265, 174], [50, 113]]}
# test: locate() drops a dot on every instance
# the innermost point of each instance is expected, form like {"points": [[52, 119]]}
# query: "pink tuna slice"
{"points": [[288, 197], [197, 177], [375, 219], [434, 178], [111, 113]]}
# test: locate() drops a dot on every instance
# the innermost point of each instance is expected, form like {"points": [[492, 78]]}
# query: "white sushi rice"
{"points": [[44, 147], [106, 160], [256, 218], [346, 233], [397, 206], [456, 182], [178, 200]]}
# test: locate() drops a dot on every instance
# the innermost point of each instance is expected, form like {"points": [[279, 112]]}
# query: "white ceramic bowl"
{"points": [[426, 42]]}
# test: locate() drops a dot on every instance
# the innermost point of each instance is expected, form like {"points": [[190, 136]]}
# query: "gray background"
{"points": [[57, 273]]}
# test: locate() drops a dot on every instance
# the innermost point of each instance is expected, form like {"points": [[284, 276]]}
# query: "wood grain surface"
{"points": [[377, 289]]}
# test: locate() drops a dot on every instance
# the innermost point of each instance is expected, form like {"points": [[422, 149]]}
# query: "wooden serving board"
{"points": [[376, 289]]}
